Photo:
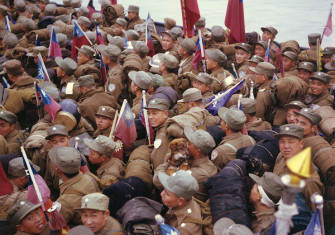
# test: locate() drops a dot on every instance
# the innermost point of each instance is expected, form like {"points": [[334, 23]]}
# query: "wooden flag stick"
{"points": [[111, 134]]}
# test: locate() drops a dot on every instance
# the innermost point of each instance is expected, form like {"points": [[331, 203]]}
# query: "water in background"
{"points": [[294, 19]]}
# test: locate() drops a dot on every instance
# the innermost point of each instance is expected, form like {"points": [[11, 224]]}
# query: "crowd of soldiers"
{"points": [[93, 176]]}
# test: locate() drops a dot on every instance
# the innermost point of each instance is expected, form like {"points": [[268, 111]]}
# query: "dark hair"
{"points": [[71, 175], [170, 70]]}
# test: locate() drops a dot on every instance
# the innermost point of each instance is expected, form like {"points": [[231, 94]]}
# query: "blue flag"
{"points": [[7, 25], [11, 19], [126, 42], [38, 42], [314, 226], [267, 54], [220, 99], [41, 72], [168, 230]]}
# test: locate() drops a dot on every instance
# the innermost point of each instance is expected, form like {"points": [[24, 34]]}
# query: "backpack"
{"points": [[206, 222]]}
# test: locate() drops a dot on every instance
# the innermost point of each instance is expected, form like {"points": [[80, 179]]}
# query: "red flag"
{"points": [[279, 62], [191, 14], [114, 2], [6, 186], [199, 52], [50, 105], [54, 48], [125, 129], [235, 21], [150, 43], [79, 39], [91, 8], [329, 26]]}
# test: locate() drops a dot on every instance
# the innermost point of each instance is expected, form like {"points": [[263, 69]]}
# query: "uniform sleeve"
{"points": [[3, 145], [222, 155], [264, 102], [160, 168], [313, 185]]}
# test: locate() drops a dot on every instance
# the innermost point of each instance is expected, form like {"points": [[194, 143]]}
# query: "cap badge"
{"points": [[54, 128], [287, 128], [22, 203], [103, 109], [86, 202]]}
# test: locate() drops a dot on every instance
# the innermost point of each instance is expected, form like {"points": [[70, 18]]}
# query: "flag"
{"points": [[99, 40], [279, 62], [199, 53], [149, 16], [7, 25], [141, 117], [50, 105], [91, 8], [329, 25], [125, 129], [38, 42], [267, 53], [6, 186], [314, 226], [168, 230], [114, 2], [149, 42], [125, 41], [11, 19], [219, 100], [235, 21], [79, 39], [54, 48], [5, 82], [42, 71], [190, 14], [103, 70]]}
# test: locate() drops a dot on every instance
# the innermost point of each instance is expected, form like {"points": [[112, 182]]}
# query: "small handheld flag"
{"points": [[38, 42], [42, 71], [79, 39], [99, 40], [267, 54], [7, 25], [199, 52], [54, 48], [329, 25], [50, 105], [149, 42]]}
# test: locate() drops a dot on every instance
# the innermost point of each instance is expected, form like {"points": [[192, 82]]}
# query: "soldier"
{"points": [[203, 82], [242, 54], [132, 35], [169, 23], [253, 122], [20, 10], [260, 48], [139, 81], [84, 23], [10, 42], [16, 75], [177, 196], [95, 215], [116, 40], [215, 62], [119, 27], [289, 63], [253, 62], [133, 16], [68, 86], [104, 119], [28, 218], [305, 70], [32, 69], [318, 94], [42, 4], [169, 43], [101, 150], [201, 25], [75, 185], [218, 37], [82, 11], [168, 69], [232, 122], [140, 48], [157, 81], [3, 13], [93, 98], [9, 132], [186, 48], [85, 56], [270, 32], [291, 143], [311, 54], [309, 120], [327, 54], [291, 109]]}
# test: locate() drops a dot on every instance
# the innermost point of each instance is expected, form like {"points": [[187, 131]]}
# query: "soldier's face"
{"points": [[170, 199], [326, 59], [157, 117], [210, 63], [255, 195], [291, 117], [5, 128], [290, 146], [167, 42], [317, 87], [95, 158], [192, 149], [42, 6], [94, 219], [203, 87], [181, 51], [82, 58], [105, 59], [118, 29], [267, 35], [260, 51], [259, 78], [60, 72], [241, 56], [33, 223], [223, 126], [131, 15], [59, 140], [288, 63], [103, 122], [309, 128], [304, 75]]}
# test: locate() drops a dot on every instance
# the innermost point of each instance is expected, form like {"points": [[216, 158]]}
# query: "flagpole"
{"points": [[7, 21], [234, 69], [145, 112], [37, 190], [317, 199], [38, 103], [43, 66], [318, 51], [121, 111], [111, 134], [202, 50]]}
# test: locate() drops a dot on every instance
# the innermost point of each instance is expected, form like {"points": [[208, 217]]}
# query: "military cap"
{"points": [[132, 34], [61, 39], [233, 117], [181, 183], [176, 32], [68, 65], [16, 167], [170, 34], [86, 80], [264, 68], [271, 29], [10, 40], [57, 130], [168, 60], [328, 51], [218, 33], [191, 94], [94, 201], [291, 55], [50, 9], [20, 5], [92, 36], [159, 104], [226, 226], [28, 24], [3, 10], [141, 79], [111, 51], [141, 48], [200, 138], [66, 159], [116, 40], [169, 23], [134, 9], [204, 78], [217, 55], [290, 130], [263, 44], [39, 50], [20, 210], [294, 105], [323, 77], [76, 3], [80, 229], [66, 3], [3, 33], [201, 22], [121, 22], [84, 11], [306, 66], [96, 17], [157, 80], [8, 117], [290, 45], [248, 105], [256, 59], [313, 37], [45, 1], [50, 27], [50, 89], [106, 111], [310, 114], [87, 50], [102, 144], [244, 46], [83, 20], [187, 44], [34, 10], [270, 182], [64, 18], [13, 67], [331, 64]]}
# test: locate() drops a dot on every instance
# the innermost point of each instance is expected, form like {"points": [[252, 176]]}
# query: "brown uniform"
{"points": [[226, 151], [186, 65], [324, 99], [206, 97], [66, 92], [313, 184], [13, 142], [137, 103], [309, 55], [172, 81], [46, 231], [161, 148], [114, 84], [133, 22], [23, 83], [243, 69], [13, 102], [264, 102], [262, 220], [112, 225], [292, 71], [258, 125], [3, 145], [109, 173], [220, 74]]}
